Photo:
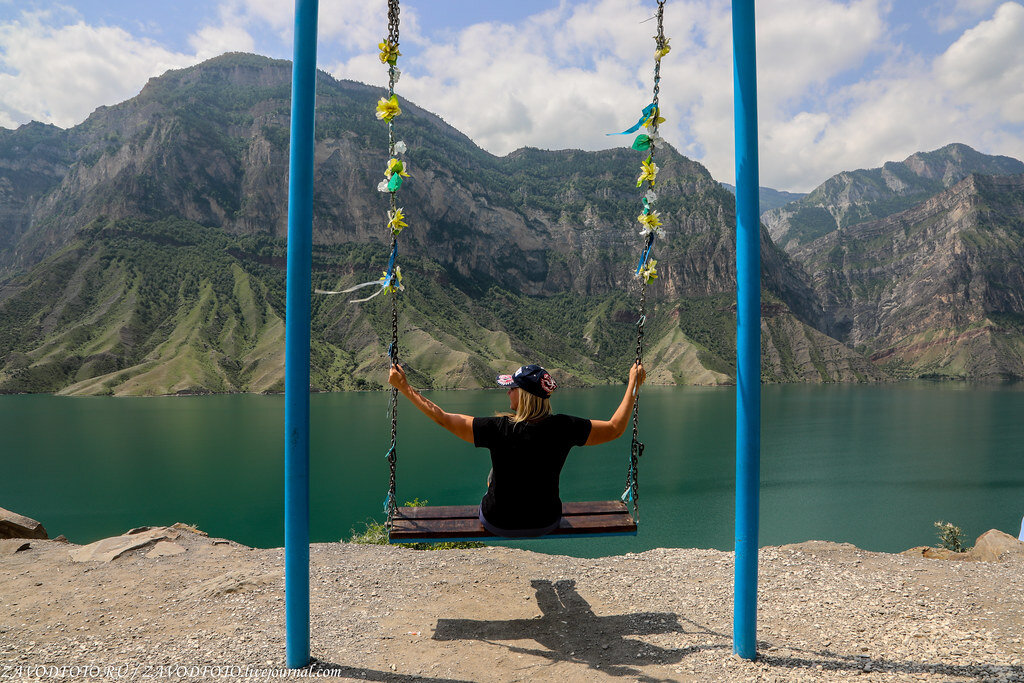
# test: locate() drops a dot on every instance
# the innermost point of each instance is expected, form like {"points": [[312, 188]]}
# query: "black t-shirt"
{"points": [[527, 459]]}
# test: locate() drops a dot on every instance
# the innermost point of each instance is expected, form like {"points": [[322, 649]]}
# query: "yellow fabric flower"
{"points": [[663, 50], [649, 220], [396, 282], [388, 109], [395, 166], [649, 171], [389, 53], [396, 221], [649, 272], [654, 120]]}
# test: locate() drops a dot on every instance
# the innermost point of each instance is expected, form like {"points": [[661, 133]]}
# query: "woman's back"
{"points": [[526, 459]]}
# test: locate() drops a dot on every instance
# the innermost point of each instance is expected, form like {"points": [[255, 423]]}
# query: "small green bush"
{"points": [[950, 537]]}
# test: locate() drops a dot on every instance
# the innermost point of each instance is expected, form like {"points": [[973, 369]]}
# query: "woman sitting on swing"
{"points": [[528, 446]]}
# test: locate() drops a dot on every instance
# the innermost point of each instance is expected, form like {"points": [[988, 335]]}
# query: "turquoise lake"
{"points": [[875, 466]]}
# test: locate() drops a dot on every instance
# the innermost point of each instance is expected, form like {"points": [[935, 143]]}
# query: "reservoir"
{"points": [[875, 466]]}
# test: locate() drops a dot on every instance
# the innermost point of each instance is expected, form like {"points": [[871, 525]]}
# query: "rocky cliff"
{"points": [[937, 290], [143, 252], [853, 197]]}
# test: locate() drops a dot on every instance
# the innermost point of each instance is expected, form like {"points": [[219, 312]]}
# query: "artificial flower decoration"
{"points": [[653, 120], [650, 197], [648, 271], [649, 171], [396, 221], [387, 108], [389, 53], [394, 173], [649, 220], [395, 166], [400, 147], [394, 285], [382, 186], [646, 141], [663, 50]]}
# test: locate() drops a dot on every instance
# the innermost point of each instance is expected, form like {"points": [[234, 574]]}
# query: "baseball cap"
{"points": [[531, 378]]}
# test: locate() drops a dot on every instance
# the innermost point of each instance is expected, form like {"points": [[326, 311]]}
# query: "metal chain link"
{"points": [[392, 501], [636, 450]]}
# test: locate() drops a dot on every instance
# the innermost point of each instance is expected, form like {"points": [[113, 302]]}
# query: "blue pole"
{"points": [[296, 376], [748, 331]]}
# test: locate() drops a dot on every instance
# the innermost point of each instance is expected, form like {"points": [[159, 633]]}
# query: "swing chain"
{"points": [[391, 502], [660, 43], [636, 450], [392, 72]]}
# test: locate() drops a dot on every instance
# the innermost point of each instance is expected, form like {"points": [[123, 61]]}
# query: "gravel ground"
{"points": [[826, 611]]}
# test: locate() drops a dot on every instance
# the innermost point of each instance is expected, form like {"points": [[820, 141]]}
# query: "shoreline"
{"points": [[940, 380]]}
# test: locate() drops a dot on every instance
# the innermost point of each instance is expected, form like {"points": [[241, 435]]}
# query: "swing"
{"points": [[579, 519]]}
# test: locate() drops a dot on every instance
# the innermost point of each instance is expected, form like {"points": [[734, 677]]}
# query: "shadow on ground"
{"points": [[570, 631]]}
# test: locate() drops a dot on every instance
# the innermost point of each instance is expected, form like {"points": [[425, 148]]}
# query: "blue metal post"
{"points": [[748, 330], [296, 377]]}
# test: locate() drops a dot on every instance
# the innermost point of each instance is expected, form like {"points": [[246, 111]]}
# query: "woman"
{"points": [[528, 446]]}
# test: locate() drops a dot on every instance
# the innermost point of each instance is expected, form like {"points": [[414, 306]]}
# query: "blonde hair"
{"points": [[530, 407]]}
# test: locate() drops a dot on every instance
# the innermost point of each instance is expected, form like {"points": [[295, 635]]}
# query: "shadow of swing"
{"points": [[570, 631]]}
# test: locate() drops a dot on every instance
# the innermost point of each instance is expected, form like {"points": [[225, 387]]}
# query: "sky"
{"points": [[841, 84]]}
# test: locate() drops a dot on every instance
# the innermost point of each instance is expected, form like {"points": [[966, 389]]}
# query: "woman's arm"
{"points": [[603, 431], [459, 425]]}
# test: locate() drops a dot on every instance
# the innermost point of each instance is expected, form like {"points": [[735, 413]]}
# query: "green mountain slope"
{"points": [[150, 254], [170, 307]]}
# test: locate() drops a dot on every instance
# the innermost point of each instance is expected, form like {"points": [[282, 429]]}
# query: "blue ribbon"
{"points": [[391, 265], [648, 110], [647, 252]]}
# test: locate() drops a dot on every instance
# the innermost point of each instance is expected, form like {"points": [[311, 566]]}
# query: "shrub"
{"points": [[950, 537]]}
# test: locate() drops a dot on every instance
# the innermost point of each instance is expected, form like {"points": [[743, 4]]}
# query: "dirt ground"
{"points": [[825, 612]]}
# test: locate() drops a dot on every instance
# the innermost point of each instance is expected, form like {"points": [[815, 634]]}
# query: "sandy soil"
{"points": [[826, 612]]}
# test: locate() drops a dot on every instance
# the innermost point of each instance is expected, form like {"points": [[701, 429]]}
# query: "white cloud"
{"points": [[984, 68], [950, 15], [84, 66], [837, 90]]}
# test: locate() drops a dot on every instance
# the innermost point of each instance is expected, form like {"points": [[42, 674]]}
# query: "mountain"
{"points": [[143, 252], [936, 290], [853, 197], [771, 199]]}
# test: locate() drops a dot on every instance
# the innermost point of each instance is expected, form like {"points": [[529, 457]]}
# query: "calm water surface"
{"points": [[870, 465]]}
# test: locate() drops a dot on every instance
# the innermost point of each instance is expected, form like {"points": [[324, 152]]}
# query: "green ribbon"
{"points": [[642, 142]]}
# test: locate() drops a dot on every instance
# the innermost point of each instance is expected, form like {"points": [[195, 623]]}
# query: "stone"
{"points": [[109, 549], [13, 525], [997, 546], [937, 553], [164, 548], [9, 546]]}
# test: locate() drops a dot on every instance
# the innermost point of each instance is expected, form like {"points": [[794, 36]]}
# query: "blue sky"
{"points": [[842, 84]]}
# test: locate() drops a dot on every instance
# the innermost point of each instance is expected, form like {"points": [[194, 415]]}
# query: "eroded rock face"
{"points": [[852, 197], [13, 525], [937, 289]]}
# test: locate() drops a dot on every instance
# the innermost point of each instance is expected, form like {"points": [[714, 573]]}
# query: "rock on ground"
{"points": [[13, 525], [826, 612]]}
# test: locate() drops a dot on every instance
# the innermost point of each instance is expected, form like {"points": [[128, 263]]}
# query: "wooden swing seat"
{"points": [[439, 524]]}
